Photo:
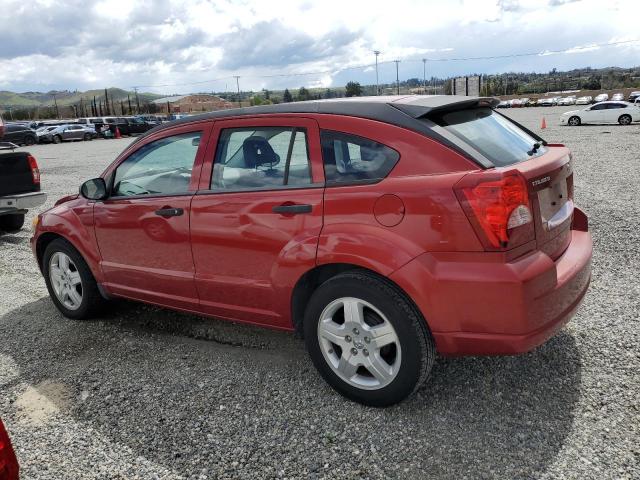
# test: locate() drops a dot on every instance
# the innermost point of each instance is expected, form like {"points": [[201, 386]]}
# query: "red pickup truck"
{"points": [[19, 185]]}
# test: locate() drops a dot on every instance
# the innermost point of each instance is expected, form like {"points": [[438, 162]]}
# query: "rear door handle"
{"points": [[170, 212], [291, 209]]}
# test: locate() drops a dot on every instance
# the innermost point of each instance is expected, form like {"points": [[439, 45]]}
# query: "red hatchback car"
{"points": [[383, 229], [9, 468]]}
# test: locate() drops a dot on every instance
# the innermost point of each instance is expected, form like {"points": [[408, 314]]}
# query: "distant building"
{"points": [[191, 104]]}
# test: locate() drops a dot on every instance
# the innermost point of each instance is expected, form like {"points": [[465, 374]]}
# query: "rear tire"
{"points": [[86, 300], [624, 120], [379, 355], [12, 223], [574, 121], [87, 137], [30, 140], [57, 139]]}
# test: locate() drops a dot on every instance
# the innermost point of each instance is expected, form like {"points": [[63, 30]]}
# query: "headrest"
{"points": [[257, 152]]}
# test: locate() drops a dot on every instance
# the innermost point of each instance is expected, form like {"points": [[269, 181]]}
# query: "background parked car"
{"points": [[586, 100], [73, 132], [569, 100], [633, 96], [504, 104], [19, 134], [603, 97], [604, 112], [617, 97]]}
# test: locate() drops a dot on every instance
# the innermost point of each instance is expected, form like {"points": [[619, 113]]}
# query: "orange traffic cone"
{"points": [[120, 136], [542, 126]]}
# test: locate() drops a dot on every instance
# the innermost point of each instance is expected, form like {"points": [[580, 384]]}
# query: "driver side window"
{"points": [[162, 167]]}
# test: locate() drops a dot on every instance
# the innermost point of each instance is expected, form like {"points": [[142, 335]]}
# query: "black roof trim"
{"points": [[400, 111]]}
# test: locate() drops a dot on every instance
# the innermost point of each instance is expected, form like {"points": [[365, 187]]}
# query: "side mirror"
{"points": [[94, 189]]}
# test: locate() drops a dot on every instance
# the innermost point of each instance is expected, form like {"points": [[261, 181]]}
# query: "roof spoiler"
{"points": [[419, 108]]}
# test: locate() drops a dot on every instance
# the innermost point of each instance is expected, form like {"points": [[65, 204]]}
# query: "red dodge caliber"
{"points": [[382, 229]]}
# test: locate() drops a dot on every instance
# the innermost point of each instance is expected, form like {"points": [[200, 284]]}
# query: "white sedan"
{"points": [[604, 112]]}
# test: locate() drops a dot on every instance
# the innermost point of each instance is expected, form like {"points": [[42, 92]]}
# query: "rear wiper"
{"points": [[535, 148]]}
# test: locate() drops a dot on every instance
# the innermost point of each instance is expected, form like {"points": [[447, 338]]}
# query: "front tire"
{"points": [[87, 137], [30, 140], [367, 340], [574, 121], [624, 120], [57, 139], [11, 223], [70, 283]]}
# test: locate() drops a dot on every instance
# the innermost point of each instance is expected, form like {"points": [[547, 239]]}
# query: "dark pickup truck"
{"points": [[19, 185]]}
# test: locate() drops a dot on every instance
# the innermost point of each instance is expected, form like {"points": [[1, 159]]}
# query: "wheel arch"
{"points": [[312, 279]]}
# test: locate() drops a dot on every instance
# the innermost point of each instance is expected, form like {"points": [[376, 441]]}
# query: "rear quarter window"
{"points": [[353, 159], [491, 134]]}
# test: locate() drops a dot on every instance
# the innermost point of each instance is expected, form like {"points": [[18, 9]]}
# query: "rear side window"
{"points": [[261, 158], [493, 135], [353, 159]]}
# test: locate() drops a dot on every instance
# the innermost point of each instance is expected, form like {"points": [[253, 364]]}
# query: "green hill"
{"points": [[66, 97]]}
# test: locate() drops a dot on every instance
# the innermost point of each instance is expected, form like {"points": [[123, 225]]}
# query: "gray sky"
{"points": [[82, 44]]}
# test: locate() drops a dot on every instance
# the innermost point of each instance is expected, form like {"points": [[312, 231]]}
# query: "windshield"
{"points": [[494, 136]]}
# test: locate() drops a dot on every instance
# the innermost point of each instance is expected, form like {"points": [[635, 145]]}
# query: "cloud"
{"points": [[93, 44], [274, 44]]}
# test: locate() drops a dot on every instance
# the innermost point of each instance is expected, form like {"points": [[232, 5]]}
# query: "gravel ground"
{"points": [[148, 393]]}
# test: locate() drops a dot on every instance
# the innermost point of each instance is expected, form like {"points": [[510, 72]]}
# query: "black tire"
{"points": [[57, 139], [11, 223], [92, 301], [30, 140], [87, 137], [416, 343], [625, 120], [574, 121]]}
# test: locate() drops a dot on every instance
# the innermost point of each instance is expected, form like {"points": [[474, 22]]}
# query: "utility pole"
{"points": [[424, 74], [135, 89], [237, 77], [376, 53], [55, 102], [397, 77]]}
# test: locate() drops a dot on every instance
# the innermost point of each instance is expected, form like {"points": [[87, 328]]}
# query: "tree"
{"points": [[286, 98], [303, 94], [353, 89]]}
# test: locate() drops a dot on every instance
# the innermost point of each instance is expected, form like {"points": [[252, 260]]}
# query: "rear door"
{"points": [[613, 112], [256, 219]]}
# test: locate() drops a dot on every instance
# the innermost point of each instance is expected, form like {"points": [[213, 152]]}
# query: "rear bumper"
{"points": [[22, 201], [479, 307]]}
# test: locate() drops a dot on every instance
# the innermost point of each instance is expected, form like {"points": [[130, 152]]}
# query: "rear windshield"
{"points": [[495, 137]]}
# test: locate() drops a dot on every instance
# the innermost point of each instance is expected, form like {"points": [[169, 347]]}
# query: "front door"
{"points": [[142, 229], [256, 220]]}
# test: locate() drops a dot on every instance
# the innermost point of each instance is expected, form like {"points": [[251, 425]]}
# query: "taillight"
{"points": [[35, 171], [497, 207]]}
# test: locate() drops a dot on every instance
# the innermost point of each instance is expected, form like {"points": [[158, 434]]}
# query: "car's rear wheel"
{"points": [[87, 137], [367, 340], [574, 121], [30, 140], [69, 280], [624, 120], [11, 223], [57, 139]]}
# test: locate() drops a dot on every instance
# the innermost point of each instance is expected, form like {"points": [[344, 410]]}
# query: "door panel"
{"points": [[142, 230], [145, 255], [250, 246]]}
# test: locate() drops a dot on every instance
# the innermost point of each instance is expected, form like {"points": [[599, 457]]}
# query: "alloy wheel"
{"points": [[65, 280], [359, 343]]}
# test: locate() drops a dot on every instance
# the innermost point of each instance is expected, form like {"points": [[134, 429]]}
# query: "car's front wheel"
{"points": [[69, 280], [624, 120], [87, 137], [30, 140], [367, 340], [574, 121], [57, 139]]}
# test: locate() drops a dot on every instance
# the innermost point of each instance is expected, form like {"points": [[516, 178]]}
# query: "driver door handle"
{"points": [[170, 212], [291, 209]]}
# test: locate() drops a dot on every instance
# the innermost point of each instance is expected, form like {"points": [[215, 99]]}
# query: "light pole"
{"points": [[397, 77], [376, 53], [424, 74], [237, 77]]}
